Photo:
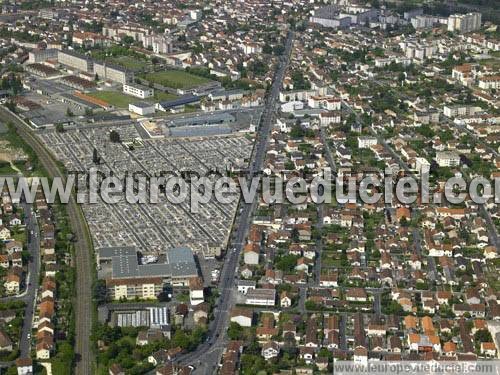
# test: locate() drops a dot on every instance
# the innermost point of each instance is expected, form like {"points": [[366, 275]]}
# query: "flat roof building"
{"points": [[129, 278]]}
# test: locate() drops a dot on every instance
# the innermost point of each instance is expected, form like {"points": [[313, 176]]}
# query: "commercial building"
{"points": [[130, 279], [139, 91]]}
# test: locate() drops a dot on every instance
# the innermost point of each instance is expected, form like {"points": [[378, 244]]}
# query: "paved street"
{"points": [[206, 357]]}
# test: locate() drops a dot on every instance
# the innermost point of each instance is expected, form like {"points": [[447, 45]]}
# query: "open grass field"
{"points": [[115, 98], [121, 100], [176, 79], [128, 62]]}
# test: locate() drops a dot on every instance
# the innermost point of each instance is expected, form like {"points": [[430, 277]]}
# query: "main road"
{"points": [[206, 357], [83, 247]]}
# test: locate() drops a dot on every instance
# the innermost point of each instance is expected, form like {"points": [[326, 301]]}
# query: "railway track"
{"points": [[83, 248]]}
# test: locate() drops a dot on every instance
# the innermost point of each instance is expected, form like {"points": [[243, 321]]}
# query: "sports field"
{"points": [[115, 98], [176, 79], [121, 100]]}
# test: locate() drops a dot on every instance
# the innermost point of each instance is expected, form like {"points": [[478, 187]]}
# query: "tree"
{"points": [[60, 128], [127, 40], [393, 307], [11, 106], [114, 136], [483, 335], [180, 339], [69, 112], [286, 263], [234, 331]]}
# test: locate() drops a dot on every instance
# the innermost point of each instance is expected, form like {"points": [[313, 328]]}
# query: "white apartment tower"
{"points": [[464, 23]]}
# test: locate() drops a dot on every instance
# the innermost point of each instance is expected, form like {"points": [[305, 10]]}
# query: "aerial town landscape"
{"points": [[188, 98]]}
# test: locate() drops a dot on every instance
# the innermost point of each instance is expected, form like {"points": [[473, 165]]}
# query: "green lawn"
{"points": [[176, 79], [115, 98], [161, 96], [121, 100], [128, 62]]}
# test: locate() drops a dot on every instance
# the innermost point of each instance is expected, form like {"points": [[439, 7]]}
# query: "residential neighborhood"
{"points": [[371, 131]]}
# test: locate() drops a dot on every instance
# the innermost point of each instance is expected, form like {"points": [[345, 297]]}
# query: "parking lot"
{"points": [[151, 227]]}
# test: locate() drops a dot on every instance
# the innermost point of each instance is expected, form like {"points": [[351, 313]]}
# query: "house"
{"points": [[450, 349], [46, 327], [4, 261], [159, 357], [4, 233], [12, 283], [307, 354], [285, 300], [5, 342], [395, 345], [200, 314], [149, 336], [329, 279], [181, 311], [361, 355], [116, 369], [244, 285], [15, 220], [24, 366], [251, 254], [17, 260], [43, 350], [242, 316], [173, 369], [246, 272], [270, 350], [13, 247], [332, 340], [488, 349], [356, 294], [196, 295]]}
